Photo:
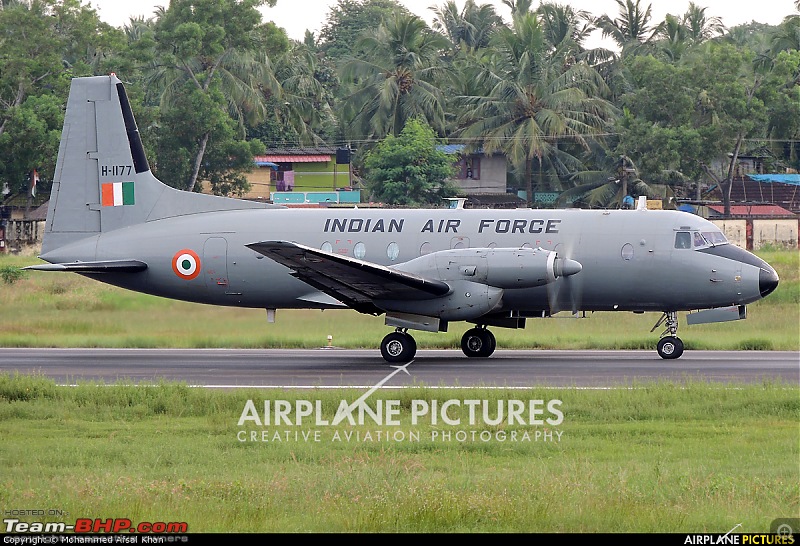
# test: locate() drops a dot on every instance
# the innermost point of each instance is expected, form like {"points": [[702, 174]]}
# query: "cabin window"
{"points": [[683, 239], [627, 251], [392, 251], [425, 248], [360, 250], [327, 247]]}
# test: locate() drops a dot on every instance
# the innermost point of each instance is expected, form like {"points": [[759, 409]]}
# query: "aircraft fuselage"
{"points": [[629, 258]]}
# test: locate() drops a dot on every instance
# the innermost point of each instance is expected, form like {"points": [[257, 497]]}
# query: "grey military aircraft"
{"points": [[110, 219]]}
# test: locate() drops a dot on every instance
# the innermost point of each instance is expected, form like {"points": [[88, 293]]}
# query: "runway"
{"points": [[232, 368]]}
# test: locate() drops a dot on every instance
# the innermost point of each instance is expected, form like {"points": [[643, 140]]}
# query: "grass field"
{"points": [[664, 457], [66, 310]]}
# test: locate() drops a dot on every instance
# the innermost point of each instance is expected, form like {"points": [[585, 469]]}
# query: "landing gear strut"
{"points": [[478, 342], [398, 346], [670, 345]]}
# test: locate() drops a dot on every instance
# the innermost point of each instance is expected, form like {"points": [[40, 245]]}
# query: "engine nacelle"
{"points": [[466, 301], [504, 268]]}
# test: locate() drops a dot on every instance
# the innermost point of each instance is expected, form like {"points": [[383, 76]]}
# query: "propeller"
{"points": [[568, 282]]}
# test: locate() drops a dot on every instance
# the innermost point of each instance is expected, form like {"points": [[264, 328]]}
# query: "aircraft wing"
{"points": [[353, 282]]}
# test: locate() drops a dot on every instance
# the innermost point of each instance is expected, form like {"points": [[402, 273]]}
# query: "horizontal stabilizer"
{"points": [[110, 266]]}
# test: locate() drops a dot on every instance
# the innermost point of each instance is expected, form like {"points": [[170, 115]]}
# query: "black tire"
{"points": [[670, 347], [478, 343], [398, 347], [492, 343]]}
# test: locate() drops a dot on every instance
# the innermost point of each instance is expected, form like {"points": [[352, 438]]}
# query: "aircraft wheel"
{"points": [[478, 342], [670, 347], [398, 347]]}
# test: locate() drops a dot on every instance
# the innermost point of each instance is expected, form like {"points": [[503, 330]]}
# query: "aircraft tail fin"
{"points": [[102, 179]]}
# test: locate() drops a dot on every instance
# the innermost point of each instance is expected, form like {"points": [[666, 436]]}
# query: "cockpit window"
{"points": [[683, 239], [698, 239], [715, 237]]}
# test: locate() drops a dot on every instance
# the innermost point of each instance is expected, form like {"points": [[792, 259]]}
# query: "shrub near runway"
{"points": [[660, 457], [66, 310]]}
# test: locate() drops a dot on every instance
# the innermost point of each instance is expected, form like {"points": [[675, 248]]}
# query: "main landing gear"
{"points": [[670, 345], [478, 342], [400, 347]]}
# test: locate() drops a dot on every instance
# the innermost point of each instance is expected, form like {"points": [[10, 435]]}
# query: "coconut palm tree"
{"points": [[631, 30], [304, 102], [398, 81], [229, 61], [536, 104], [469, 29], [700, 27]]}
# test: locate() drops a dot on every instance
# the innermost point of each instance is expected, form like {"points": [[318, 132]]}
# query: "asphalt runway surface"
{"points": [[233, 368]]}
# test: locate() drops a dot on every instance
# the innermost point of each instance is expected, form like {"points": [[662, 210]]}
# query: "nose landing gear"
{"points": [[670, 345]]}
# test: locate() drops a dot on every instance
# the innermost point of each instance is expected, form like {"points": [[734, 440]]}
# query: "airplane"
{"points": [[112, 220]]}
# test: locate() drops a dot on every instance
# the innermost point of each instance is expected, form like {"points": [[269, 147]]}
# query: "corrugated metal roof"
{"points": [[781, 178], [753, 210]]}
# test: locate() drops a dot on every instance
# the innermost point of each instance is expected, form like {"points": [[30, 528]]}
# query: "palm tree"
{"points": [[631, 30], [680, 34], [699, 27], [233, 62], [535, 104], [471, 28], [610, 182], [565, 28], [519, 7], [397, 82], [305, 100], [674, 38], [786, 36]]}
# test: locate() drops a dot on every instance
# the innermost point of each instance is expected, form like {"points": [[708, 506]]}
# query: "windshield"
{"points": [[706, 239], [715, 237]]}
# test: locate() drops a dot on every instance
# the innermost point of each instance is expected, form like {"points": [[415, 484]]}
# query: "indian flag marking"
{"points": [[186, 264], [116, 194]]}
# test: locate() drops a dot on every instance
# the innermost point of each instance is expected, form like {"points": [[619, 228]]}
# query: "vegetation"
{"points": [[688, 457], [674, 104], [408, 169]]}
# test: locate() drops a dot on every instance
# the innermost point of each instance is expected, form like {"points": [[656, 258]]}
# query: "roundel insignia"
{"points": [[186, 264]]}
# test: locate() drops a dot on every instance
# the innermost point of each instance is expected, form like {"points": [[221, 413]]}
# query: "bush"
{"points": [[11, 274]]}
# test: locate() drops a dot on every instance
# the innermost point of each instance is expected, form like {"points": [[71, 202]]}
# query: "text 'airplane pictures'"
{"points": [[110, 219]]}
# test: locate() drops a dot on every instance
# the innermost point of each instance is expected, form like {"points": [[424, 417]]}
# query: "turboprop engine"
{"points": [[478, 277]]}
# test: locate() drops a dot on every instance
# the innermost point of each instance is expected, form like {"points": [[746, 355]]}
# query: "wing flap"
{"points": [[354, 282]]}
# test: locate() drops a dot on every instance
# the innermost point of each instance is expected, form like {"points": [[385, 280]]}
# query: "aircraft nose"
{"points": [[767, 281]]}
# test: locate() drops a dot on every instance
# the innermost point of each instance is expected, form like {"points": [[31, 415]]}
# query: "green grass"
{"points": [[66, 310], [662, 457]]}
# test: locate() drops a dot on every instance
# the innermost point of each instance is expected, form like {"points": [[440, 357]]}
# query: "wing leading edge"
{"points": [[354, 282]]}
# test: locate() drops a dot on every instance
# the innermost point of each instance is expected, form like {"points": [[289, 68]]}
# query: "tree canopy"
{"points": [[212, 84]]}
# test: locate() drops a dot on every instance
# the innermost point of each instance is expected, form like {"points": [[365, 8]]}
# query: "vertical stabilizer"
{"points": [[102, 178]]}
